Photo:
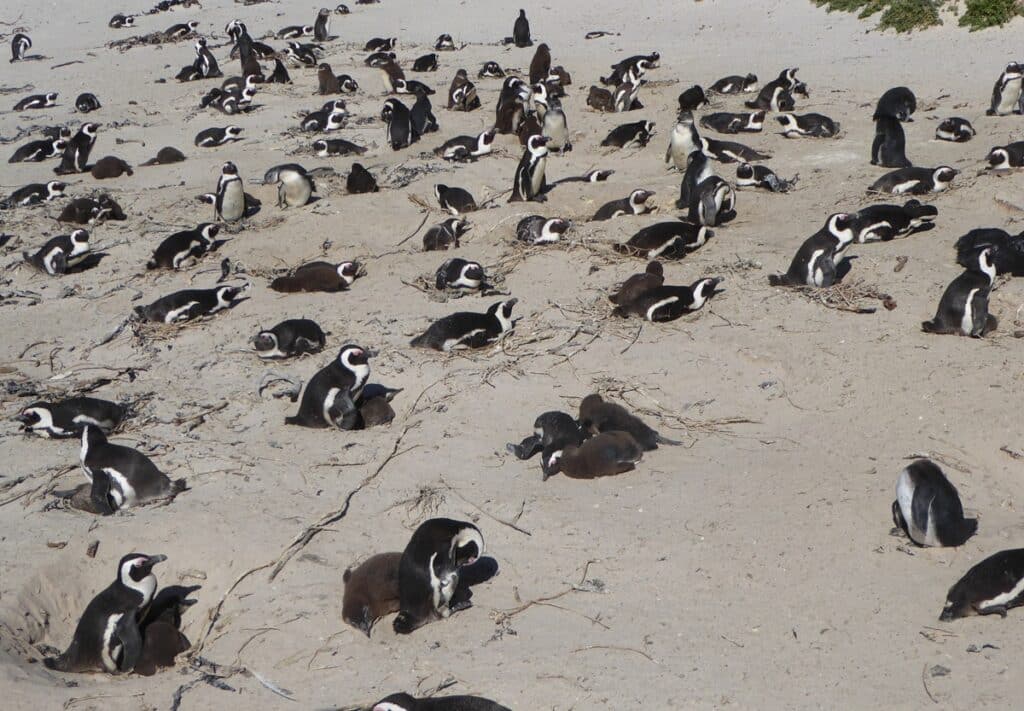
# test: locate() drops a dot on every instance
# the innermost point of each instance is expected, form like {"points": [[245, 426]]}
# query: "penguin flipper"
{"points": [[404, 623], [99, 494], [525, 449], [127, 631]]}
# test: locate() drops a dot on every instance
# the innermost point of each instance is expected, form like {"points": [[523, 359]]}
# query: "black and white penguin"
{"points": [[886, 222], [725, 122], [229, 203], [407, 702], [511, 104], [928, 509], [445, 235], [698, 171], [730, 151], [399, 131], [371, 591], [631, 68], [380, 44], [810, 125], [61, 253], [205, 61], [454, 200], [554, 126], [425, 63], [121, 21], [295, 184], [88, 211], [466, 329], [110, 167], [915, 181], [552, 431], [330, 117], [772, 97], [1007, 91], [639, 132], [537, 229], [20, 44], [491, 70], [685, 139], [292, 32], [422, 116], [302, 55], [121, 476], [815, 262], [992, 587], [318, 276], [666, 240], [963, 308], [956, 129], [333, 393], [291, 337], [428, 573], [598, 415], [33, 194], [521, 31], [36, 151], [337, 147], [322, 25], [898, 103], [66, 418], [37, 101], [444, 43], [459, 273], [624, 96], [1007, 250], [889, 147], [462, 148], [668, 302], [712, 203], [381, 60], [210, 137], [761, 176], [280, 73], [174, 250], [86, 103], [637, 284], [693, 98], [181, 30], [606, 454], [76, 153], [735, 84], [411, 86], [360, 181], [107, 637], [528, 184], [634, 204], [190, 304], [1006, 157]]}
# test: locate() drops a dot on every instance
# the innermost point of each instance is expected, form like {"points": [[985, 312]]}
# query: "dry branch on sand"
{"points": [[848, 295]]}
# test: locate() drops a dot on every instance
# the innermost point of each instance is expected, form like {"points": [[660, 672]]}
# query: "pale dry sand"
{"points": [[751, 568]]}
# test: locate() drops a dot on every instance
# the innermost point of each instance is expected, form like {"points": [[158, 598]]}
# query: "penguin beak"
{"points": [[154, 559], [21, 417]]}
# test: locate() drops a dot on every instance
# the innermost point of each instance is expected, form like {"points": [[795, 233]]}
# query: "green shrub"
{"points": [[989, 13], [907, 15]]}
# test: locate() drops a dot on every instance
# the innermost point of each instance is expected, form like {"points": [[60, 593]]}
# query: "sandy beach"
{"points": [[749, 567]]}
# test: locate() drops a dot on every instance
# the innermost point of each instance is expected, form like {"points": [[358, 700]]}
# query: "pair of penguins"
{"points": [[605, 440], [928, 511], [646, 295]]}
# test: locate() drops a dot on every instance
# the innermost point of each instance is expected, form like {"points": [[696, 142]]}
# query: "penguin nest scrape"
{"points": [[908, 15], [852, 295]]}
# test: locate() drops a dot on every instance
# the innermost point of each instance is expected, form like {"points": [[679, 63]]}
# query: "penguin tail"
{"points": [[778, 280], [177, 486], [959, 534]]}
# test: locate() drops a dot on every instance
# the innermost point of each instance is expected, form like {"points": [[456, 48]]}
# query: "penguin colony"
{"points": [[130, 627]]}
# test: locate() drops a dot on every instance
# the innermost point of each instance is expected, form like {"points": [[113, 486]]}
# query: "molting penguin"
{"points": [[110, 167], [459, 273], [318, 276], [956, 129], [639, 132], [428, 573], [229, 202], [65, 418], [61, 253], [537, 229], [107, 638], [122, 477], [371, 591], [915, 181], [406, 702], [810, 125], [634, 204], [20, 44], [606, 454], [445, 235], [993, 586], [454, 200], [528, 183], [928, 509], [173, 251], [33, 194], [815, 262], [667, 303], [466, 329], [637, 284], [333, 393], [666, 240], [521, 31], [190, 304], [295, 184], [599, 415], [1007, 91], [291, 337], [963, 308]]}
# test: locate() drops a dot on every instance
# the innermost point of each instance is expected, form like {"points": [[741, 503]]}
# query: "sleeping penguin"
{"points": [[928, 509], [467, 329], [66, 418]]}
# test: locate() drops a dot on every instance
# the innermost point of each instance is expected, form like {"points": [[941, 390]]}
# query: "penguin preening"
{"points": [[295, 184], [459, 273], [61, 253], [332, 396], [928, 509], [992, 587], [371, 591], [107, 637], [428, 573], [552, 431], [66, 418], [963, 308], [467, 329], [955, 129]]}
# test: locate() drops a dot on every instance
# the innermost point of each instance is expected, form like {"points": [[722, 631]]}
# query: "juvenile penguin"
{"points": [[37, 101], [190, 304], [291, 337], [445, 235], [211, 137], [459, 273], [466, 329], [666, 240], [992, 587], [1007, 91], [915, 181], [333, 393], [61, 253], [399, 131], [76, 153], [725, 122], [407, 702], [815, 262], [454, 200], [110, 167], [295, 185], [540, 65], [125, 476], [963, 308], [537, 229], [638, 284], [428, 573], [20, 43], [318, 276], [528, 184], [280, 73], [683, 142], [606, 454], [639, 133], [599, 415], [162, 639], [107, 638], [511, 105], [174, 250], [65, 418], [85, 103], [955, 129], [521, 31], [634, 204], [928, 509], [33, 194], [360, 181], [229, 203], [322, 25], [809, 125], [371, 591], [668, 303]]}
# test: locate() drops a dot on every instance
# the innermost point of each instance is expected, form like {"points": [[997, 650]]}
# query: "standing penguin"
{"points": [[295, 184], [540, 65], [21, 43], [815, 262], [684, 141], [554, 126], [76, 153], [1006, 93], [428, 573], [528, 183], [963, 308], [521, 31], [889, 147], [229, 200], [928, 509], [332, 395], [322, 26], [399, 131], [107, 638]]}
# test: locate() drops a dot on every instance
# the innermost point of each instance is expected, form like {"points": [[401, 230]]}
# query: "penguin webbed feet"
{"points": [[404, 623]]}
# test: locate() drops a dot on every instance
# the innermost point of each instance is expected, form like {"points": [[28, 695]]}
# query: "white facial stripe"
{"points": [[465, 537], [389, 707], [45, 420]]}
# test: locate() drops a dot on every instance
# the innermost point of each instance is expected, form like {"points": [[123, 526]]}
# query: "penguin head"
{"points": [[1013, 70], [135, 571], [226, 295], [265, 341], [89, 129], [390, 106], [957, 605], [503, 312], [444, 41], [320, 147], [704, 289], [467, 546], [745, 171], [944, 175], [55, 188], [35, 415], [397, 702], [91, 437], [348, 271], [655, 268], [640, 196], [324, 12], [537, 145], [208, 230], [554, 228], [787, 121], [648, 127], [79, 238], [336, 106], [352, 357], [234, 29], [486, 138], [998, 158], [229, 168], [749, 81], [598, 175], [457, 226], [342, 9], [59, 144], [349, 84], [841, 226], [471, 275]]}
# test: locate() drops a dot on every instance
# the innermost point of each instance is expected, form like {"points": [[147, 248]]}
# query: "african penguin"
{"points": [[61, 253], [190, 304], [210, 137], [110, 167], [87, 102], [915, 181], [454, 200], [491, 70], [536, 229], [37, 101], [407, 702], [125, 476], [692, 99], [521, 31], [425, 63], [885, 222], [634, 204], [956, 129], [360, 181], [66, 418], [334, 392], [898, 103], [528, 184], [712, 203], [1005, 157], [1007, 254], [815, 262], [322, 25], [20, 43], [33, 194], [963, 308], [445, 235], [399, 131], [1006, 93], [465, 329], [637, 284], [229, 201], [76, 153], [444, 43], [621, 136], [761, 176], [889, 147], [371, 591], [462, 148], [318, 276], [599, 415], [735, 84], [810, 125], [993, 586], [295, 184], [928, 509], [174, 250], [668, 303], [666, 240], [291, 337], [606, 454], [724, 122], [459, 273], [336, 147], [35, 151]]}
